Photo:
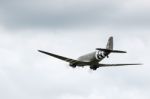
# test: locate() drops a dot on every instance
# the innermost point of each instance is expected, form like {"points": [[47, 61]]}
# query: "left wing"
{"points": [[107, 65], [63, 58]]}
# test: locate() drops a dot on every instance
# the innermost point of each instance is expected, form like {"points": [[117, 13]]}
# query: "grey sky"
{"points": [[72, 28], [79, 13]]}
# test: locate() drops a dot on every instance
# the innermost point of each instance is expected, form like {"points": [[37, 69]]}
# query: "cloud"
{"points": [[26, 73], [73, 28], [71, 14]]}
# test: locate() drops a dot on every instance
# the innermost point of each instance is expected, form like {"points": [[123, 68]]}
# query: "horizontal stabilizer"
{"points": [[112, 51]]}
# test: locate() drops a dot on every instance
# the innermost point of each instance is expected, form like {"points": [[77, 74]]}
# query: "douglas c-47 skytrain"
{"points": [[92, 59]]}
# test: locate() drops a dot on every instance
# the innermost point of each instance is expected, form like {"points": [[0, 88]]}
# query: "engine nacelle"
{"points": [[99, 55], [94, 67]]}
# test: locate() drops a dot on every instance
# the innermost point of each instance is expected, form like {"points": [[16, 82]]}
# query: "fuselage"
{"points": [[94, 57]]}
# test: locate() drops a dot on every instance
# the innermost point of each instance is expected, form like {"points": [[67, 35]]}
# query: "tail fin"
{"points": [[109, 47], [110, 43]]}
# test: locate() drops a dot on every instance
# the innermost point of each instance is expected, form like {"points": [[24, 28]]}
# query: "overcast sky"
{"points": [[73, 28]]}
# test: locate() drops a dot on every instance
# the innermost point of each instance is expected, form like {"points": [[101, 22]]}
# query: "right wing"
{"points": [[63, 58], [107, 65]]}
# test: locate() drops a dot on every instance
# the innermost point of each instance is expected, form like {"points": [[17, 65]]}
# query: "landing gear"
{"points": [[94, 67], [72, 65]]}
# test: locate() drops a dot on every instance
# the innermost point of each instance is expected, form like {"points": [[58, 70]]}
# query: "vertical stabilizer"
{"points": [[110, 43]]}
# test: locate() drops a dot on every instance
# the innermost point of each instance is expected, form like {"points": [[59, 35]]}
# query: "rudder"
{"points": [[110, 43]]}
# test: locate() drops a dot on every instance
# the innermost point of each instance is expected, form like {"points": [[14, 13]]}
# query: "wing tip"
{"points": [[40, 51], [139, 64]]}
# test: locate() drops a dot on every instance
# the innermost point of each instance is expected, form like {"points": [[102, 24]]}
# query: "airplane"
{"points": [[92, 59]]}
